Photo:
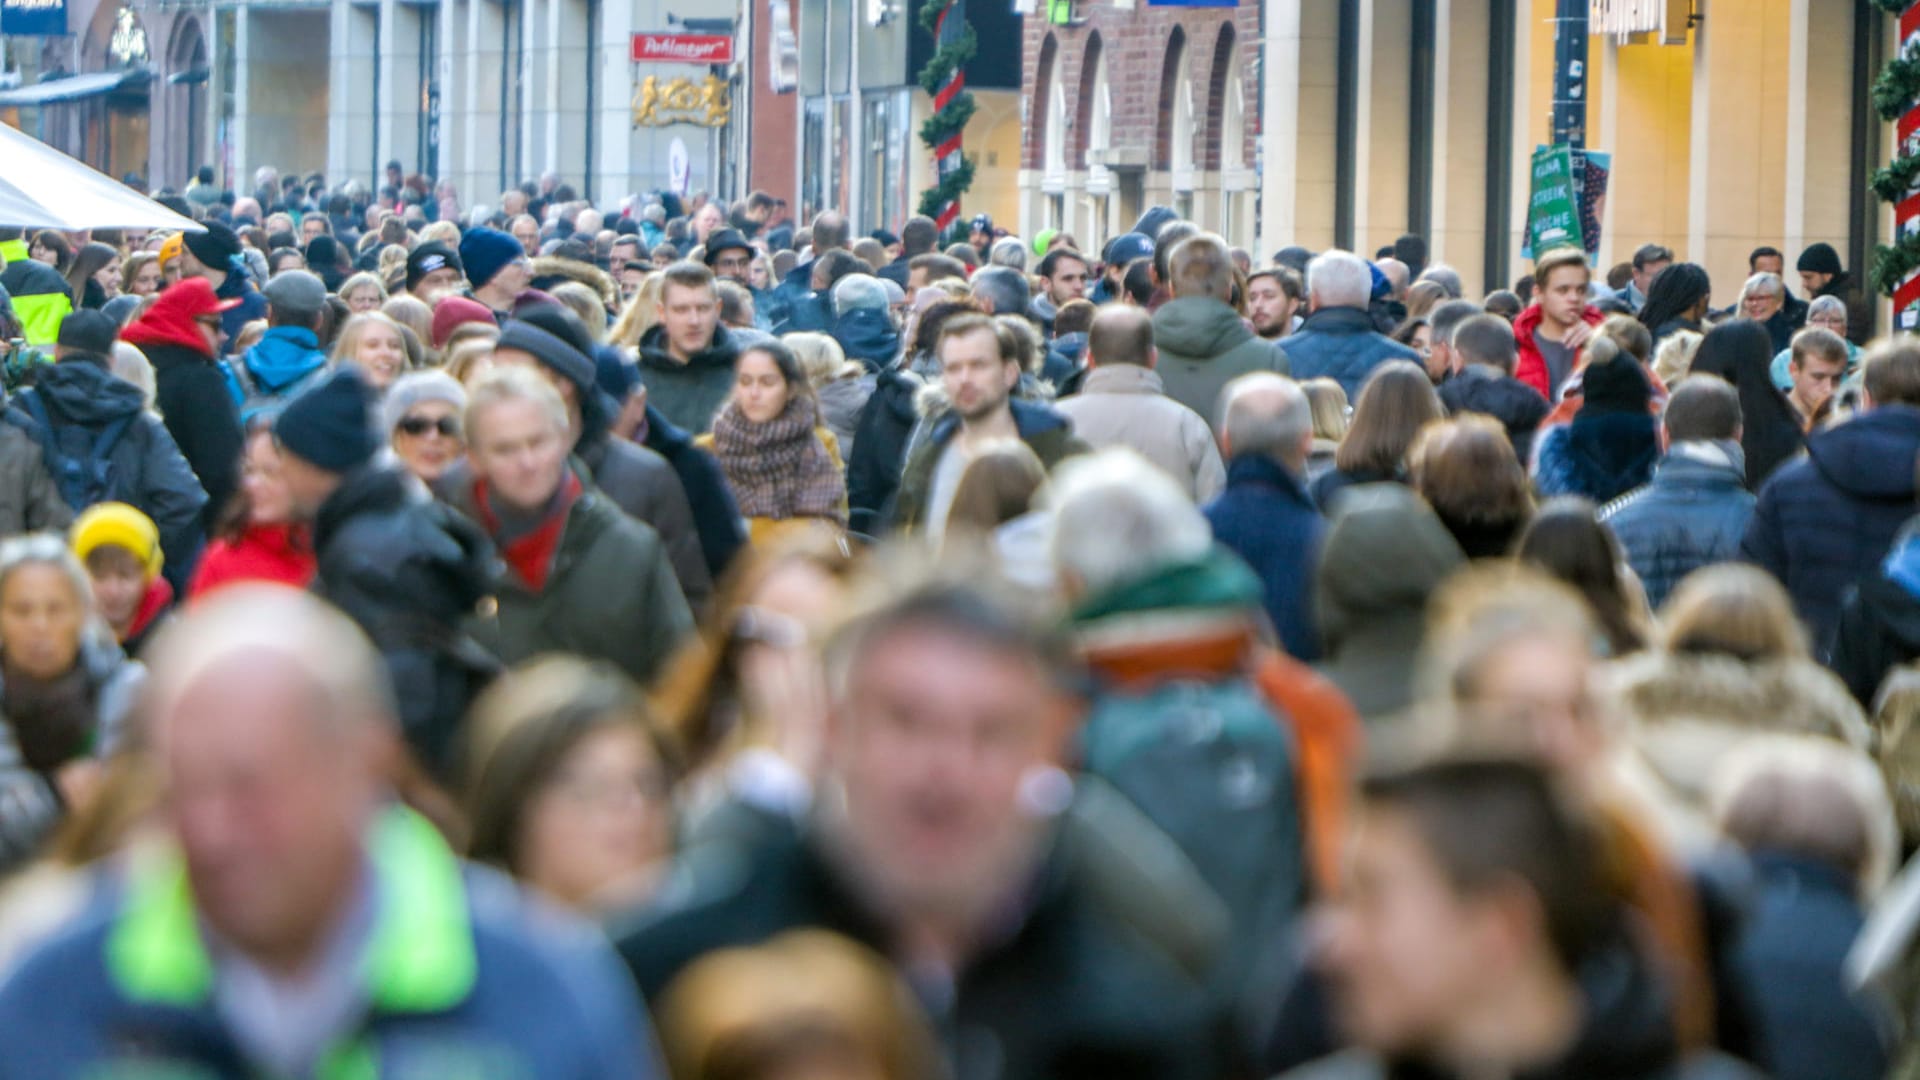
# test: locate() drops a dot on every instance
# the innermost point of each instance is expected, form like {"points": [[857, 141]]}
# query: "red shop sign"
{"points": [[682, 49]]}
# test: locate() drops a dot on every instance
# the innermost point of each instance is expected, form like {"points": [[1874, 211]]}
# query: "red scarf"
{"points": [[158, 598], [531, 554]]}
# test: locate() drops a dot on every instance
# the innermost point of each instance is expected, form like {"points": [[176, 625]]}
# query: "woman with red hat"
{"points": [[181, 334]]}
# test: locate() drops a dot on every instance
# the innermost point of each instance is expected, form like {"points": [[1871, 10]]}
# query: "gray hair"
{"points": [[51, 549], [1118, 517], [1826, 305], [858, 291], [1005, 288], [1008, 251], [1339, 279], [418, 387], [515, 383], [1763, 284], [1445, 318], [1265, 413], [1447, 278]]}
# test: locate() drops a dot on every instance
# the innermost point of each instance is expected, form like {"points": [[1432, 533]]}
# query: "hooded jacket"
{"points": [[29, 500], [1127, 405], [1692, 515], [1532, 366], [252, 305], [1267, 518], [1045, 431], [1880, 622], [1204, 345], [40, 298], [283, 361], [688, 394], [878, 452], [194, 398], [1340, 344], [867, 335], [148, 470], [1489, 391], [1598, 456], [30, 805], [1824, 522]]}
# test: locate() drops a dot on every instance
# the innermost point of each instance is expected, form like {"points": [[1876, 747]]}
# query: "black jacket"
{"points": [[1485, 390], [1065, 993], [409, 570], [200, 413], [880, 449], [1879, 631], [715, 516]]}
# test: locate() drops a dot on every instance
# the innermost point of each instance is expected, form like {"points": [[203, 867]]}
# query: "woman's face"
{"points": [[1833, 320], [41, 617], [757, 274], [119, 584], [269, 499], [427, 439], [1423, 341], [1760, 306], [42, 253], [146, 280], [362, 299], [108, 277], [758, 387], [600, 822], [380, 355]]}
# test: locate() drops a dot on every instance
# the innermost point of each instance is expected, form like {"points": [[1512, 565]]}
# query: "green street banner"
{"points": [[1553, 212]]}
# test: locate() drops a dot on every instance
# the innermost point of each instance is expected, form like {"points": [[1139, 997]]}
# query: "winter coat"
{"points": [[1385, 553], [1691, 515], [1340, 344], [1330, 485], [715, 517], [1824, 522], [148, 471], [409, 571], [1598, 456], [1532, 365], [1491, 392], [1880, 623], [238, 286], [1064, 992], [878, 453], [688, 394], [285, 363], [282, 554], [30, 805], [640, 482], [868, 336], [1126, 405], [1267, 518], [40, 298], [1204, 345], [29, 501], [1771, 433], [792, 305], [841, 402], [1045, 431], [1685, 712], [897, 271], [611, 594], [549, 271], [460, 967], [1802, 918], [199, 411]]}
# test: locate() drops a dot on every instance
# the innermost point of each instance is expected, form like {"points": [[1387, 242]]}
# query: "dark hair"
{"points": [[204, 174], [1051, 261], [839, 263], [1505, 304], [687, 275], [1489, 824], [1764, 252], [734, 299], [1486, 339], [63, 251], [1446, 317], [1703, 406], [1651, 253], [1074, 317], [974, 323], [1567, 540], [919, 235], [1170, 236], [1138, 281], [926, 333], [938, 267], [1396, 401], [1407, 331], [1291, 285], [1673, 293], [791, 372]]}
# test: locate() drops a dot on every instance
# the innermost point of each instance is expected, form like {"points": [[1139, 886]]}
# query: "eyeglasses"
{"points": [[417, 426]]}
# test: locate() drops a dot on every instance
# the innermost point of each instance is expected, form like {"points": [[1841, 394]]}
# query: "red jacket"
{"points": [[271, 553], [1532, 368]]}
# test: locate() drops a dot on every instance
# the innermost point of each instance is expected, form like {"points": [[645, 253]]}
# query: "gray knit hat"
{"points": [[417, 387]]}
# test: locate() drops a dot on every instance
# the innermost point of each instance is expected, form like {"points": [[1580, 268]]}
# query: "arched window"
{"points": [[1176, 120]]}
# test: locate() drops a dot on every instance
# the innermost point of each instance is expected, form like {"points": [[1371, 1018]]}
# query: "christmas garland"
{"points": [[1891, 7], [1893, 262], [1896, 90], [1898, 85], [950, 119]]}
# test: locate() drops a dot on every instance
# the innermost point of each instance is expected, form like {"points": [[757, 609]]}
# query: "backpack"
{"points": [[1213, 766], [80, 461], [1896, 726]]}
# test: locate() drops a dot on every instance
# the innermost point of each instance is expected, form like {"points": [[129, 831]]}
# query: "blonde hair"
{"points": [[512, 383], [1327, 400], [1673, 359], [1732, 609], [820, 357], [583, 300], [445, 232], [361, 280], [642, 313], [348, 343], [412, 313], [469, 361]]}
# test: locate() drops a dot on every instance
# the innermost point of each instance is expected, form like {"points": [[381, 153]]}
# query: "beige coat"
{"points": [[1126, 405]]}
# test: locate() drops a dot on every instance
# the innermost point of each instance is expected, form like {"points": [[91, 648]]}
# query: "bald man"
{"points": [[1123, 403], [1266, 515], [309, 923]]}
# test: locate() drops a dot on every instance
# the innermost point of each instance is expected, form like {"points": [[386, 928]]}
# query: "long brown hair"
{"points": [[1466, 468], [1396, 402]]}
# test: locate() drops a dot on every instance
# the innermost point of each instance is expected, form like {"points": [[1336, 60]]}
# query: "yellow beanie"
{"points": [[170, 249], [118, 525]]}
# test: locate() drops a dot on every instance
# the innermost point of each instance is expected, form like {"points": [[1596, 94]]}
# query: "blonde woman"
{"points": [[642, 314], [363, 292], [1327, 401], [376, 344]]}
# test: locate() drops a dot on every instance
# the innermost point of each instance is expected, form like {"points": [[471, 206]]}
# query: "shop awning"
{"points": [[42, 188], [73, 88]]}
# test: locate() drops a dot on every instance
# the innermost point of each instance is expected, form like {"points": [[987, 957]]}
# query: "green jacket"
{"points": [[1204, 345], [610, 596], [40, 298], [1047, 432]]}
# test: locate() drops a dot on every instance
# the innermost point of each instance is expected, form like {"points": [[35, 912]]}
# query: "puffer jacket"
{"points": [[30, 806], [1204, 345], [1267, 518], [1045, 431], [689, 394], [1691, 515], [1340, 344], [878, 453], [1531, 368], [1880, 622], [1491, 392], [1685, 712], [1600, 457], [1824, 522], [409, 571]]}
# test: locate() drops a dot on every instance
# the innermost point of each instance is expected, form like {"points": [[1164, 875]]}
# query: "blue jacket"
{"points": [[1599, 456], [793, 305], [460, 970], [1341, 344], [238, 286], [1825, 521], [1691, 515], [867, 335], [1267, 518], [284, 356]]}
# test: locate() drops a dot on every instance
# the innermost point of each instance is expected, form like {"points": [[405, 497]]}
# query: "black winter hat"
{"points": [[1616, 386], [216, 247], [1820, 259], [724, 240], [551, 349], [429, 257], [88, 331], [330, 426]]}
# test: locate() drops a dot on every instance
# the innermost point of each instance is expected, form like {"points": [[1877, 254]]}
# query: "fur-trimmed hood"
{"points": [[547, 269]]}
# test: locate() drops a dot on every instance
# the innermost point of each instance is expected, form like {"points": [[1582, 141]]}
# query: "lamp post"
{"points": [[1570, 74]]}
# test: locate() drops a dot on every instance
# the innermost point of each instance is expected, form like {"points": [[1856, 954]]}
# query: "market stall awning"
{"points": [[72, 88], [42, 188]]}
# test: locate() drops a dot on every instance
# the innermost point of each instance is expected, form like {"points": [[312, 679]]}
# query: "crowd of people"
{"points": [[538, 639]]}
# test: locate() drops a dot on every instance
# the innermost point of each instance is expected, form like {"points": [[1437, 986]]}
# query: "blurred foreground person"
{"points": [[1478, 939], [260, 539], [307, 925], [939, 848]]}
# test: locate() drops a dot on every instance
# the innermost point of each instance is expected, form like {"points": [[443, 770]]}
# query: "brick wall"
{"points": [[1137, 46]]}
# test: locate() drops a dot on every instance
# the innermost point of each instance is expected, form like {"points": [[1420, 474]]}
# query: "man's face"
{"points": [[916, 280], [705, 221], [630, 282], [528, 233], [269, 804], [1402, 950], [512, 279], [516, 448], [624, 250], [513, 202], [431, 287], [1565, 296], [1439, 359], [980, 238], [1769, 264], [311, 226], [1069, 281], [1815, 378], [690, 314], [1813, 281], [308, 485], [1643, 277], [733, 264], [1269, 308], [976, 378], [393, 177], [936, 734]]}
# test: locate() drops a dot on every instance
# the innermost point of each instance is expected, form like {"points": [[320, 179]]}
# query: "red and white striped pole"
{"points": [[947, 156], [1906, 213]]}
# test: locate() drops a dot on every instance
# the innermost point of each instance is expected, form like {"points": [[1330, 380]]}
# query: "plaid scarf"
{"points": [[780, 469]]}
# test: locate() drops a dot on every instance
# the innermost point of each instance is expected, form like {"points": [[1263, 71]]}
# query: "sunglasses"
{"points": [[418, 426]]}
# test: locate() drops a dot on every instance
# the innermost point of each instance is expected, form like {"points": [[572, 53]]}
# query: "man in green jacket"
{"points": [[1204, 343]]}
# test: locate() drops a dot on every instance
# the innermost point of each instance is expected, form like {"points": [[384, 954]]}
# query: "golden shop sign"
{"points": [[660, 102]]}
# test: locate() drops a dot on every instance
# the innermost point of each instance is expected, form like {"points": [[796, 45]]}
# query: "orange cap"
{"points": [[171, 249]]}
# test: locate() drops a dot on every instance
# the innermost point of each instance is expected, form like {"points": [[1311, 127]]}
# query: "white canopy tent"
{"points": [[42, 188]]}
